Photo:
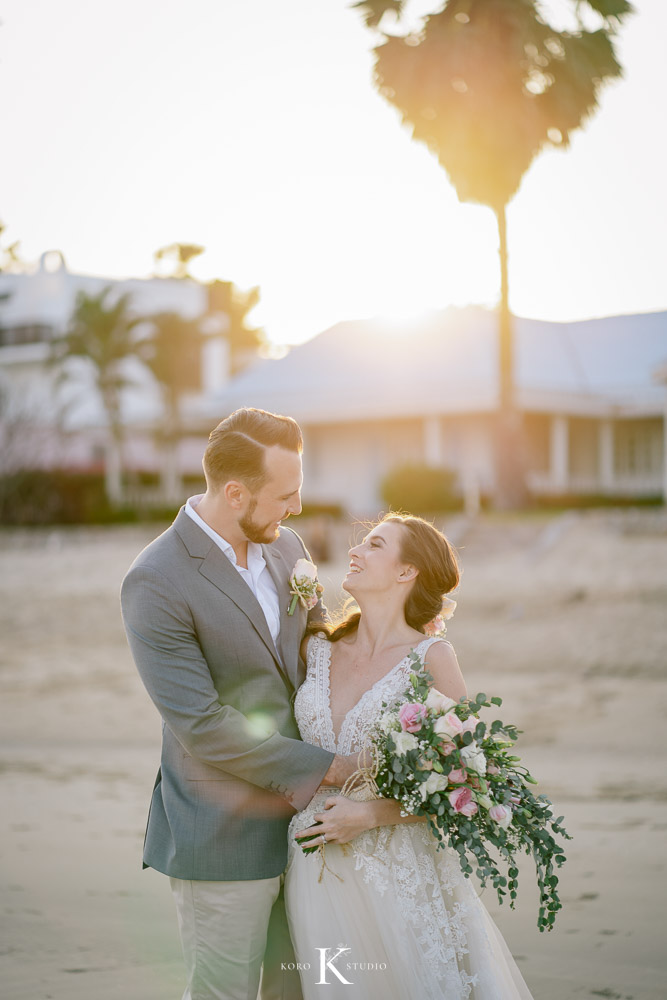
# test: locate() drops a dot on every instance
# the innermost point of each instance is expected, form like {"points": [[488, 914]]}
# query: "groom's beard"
{"points": [[262, 534]]}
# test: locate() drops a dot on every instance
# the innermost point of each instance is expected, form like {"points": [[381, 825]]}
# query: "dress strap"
{"points": [[426, 644], [312, 649]]}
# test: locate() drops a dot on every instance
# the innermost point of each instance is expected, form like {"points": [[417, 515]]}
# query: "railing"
{"points": [[650, 484]]}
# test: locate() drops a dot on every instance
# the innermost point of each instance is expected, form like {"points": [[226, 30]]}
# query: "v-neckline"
{"points": [[327, 701]]}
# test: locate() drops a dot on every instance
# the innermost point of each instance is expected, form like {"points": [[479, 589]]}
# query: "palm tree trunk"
{"points": [[113, 465], [113, 470], [172, 486], [509, 459]]}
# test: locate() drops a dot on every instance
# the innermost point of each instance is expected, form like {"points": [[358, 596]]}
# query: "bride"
{"points": [[384, 915]]}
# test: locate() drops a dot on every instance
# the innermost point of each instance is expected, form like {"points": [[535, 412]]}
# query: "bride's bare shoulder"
{"points": [[441, 662]]}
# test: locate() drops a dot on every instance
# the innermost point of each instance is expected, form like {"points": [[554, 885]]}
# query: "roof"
{"points": [[47, 294], [447, 364]]}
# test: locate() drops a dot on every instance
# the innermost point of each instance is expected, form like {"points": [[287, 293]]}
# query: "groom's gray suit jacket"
{"points": [[233, 768]]}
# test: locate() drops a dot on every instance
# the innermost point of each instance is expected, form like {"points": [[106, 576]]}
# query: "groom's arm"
{"points": [[173, 668]]}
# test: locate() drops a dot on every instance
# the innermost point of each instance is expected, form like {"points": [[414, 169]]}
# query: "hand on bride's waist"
{"points": [[339, 821], [342, 819]]}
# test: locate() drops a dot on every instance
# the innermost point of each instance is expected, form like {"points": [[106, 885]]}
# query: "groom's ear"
{"points": [[235, 493]]}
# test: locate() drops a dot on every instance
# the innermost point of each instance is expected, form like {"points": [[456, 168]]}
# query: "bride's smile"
{"points": [[378, 559]]}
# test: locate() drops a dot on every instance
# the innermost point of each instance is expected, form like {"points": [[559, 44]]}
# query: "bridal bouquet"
{"points": [[439, 759]]}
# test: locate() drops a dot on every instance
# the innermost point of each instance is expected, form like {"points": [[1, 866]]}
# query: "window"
{"points": [[26, 333], [638, 447]]}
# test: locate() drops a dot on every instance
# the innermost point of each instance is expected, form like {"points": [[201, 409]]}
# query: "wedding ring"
{"points": [[324, 838]]}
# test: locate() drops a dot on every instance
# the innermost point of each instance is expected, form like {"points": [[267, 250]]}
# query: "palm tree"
{"points": [[101, 332], [179, 255], [487, 84], [172, 352], [243, 339], [9, 255]]}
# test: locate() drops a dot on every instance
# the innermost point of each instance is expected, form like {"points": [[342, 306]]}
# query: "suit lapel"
{"points": [[217, 568], [291, 626]]}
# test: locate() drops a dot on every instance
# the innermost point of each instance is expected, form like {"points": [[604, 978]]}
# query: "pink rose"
{"points": [[411, 717], [446, 747], [469, 809], [435, 627], [460, 798], [501, 815], [492, 769], [458, 775]]}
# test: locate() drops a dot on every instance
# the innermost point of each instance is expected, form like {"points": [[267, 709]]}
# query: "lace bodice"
{"points": [[390, 887], [312, 705]]}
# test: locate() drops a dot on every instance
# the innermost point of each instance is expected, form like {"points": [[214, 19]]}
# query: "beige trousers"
{"points": [[228, 929]]}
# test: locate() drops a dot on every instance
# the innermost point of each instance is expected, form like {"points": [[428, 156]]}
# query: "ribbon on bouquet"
{"points": [[361, 786]]}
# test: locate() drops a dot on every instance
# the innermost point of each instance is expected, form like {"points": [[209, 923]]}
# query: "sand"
{"points": [[562, 615]]}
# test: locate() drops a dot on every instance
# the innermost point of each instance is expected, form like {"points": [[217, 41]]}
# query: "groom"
{"points": [[205, 608]]}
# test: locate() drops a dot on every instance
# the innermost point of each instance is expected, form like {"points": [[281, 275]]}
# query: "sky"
{"points": [[252, 127]]}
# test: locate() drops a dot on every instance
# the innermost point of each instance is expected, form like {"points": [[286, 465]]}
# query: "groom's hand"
{"points": [[340, 770]]}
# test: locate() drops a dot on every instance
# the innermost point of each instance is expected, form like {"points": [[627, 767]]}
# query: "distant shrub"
{"points": [[566, 501], [421, 489], [42, 496]]}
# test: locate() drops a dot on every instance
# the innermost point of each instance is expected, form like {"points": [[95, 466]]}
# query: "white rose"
{"points": [[448, 725], [439, 702], [304, 567], [473, 758], [434, 783], [404, 742]]}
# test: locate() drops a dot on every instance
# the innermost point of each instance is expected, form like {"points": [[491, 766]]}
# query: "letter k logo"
{"points": [[327, 963]]}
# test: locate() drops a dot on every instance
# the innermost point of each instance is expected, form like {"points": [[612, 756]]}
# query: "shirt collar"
{"points": [[256, 561]]}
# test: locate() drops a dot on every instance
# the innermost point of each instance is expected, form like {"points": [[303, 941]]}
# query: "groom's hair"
{"points": [[237, 445]]}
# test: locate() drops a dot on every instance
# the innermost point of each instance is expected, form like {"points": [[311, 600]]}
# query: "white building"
{"points": [[370, 400], [57, 423]]}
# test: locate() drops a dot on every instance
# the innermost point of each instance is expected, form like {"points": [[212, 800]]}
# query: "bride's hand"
{"points": [[342, 821]]}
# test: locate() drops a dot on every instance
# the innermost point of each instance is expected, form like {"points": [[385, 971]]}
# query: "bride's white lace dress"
{"points": [[394, 900]]}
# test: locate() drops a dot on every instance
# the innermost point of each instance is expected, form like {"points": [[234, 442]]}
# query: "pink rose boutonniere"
{"points": [[304, 585]]}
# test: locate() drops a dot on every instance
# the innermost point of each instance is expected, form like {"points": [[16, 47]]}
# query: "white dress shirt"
{"points": [[256, 575]]}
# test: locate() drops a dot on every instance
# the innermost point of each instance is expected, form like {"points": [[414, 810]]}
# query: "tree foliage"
{"points": [[486, 84], [9, 254], [179, 255], [243, 338], [102, 332]]}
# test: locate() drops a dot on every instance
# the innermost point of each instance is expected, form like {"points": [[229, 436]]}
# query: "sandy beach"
{"points": [[563, 615]]}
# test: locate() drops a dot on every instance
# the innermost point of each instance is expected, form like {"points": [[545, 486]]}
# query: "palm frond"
{"points": [[611, 10], [373, 11]]}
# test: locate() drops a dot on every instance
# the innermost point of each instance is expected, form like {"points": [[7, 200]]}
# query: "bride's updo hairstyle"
{"points": [[427, 549]]}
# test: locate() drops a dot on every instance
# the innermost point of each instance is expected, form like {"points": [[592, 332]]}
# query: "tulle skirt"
{"points": [[391, 917]]}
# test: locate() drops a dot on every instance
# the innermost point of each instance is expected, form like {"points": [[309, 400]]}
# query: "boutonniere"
{"points": [[304, 585]]}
